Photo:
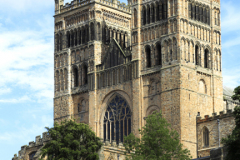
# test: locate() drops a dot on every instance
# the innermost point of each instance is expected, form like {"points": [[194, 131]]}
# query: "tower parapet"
{"points": [[33, 148], [77, 3]]}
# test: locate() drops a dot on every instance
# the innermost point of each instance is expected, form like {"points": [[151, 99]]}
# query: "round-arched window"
{"points": [[117, 120]]}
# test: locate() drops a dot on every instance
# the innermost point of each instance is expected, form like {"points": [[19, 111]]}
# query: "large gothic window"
{"points": [[117, 120]]}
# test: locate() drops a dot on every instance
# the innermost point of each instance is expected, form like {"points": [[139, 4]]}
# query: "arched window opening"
{"points": [[206, 58], [202, 87], [197, 13], [117, 120], [144, 15], [196, 55], [75, 75], [205, 137], [135, 18], [85, 80], [92, 31], [148, 57], [159, 54], [31, 155]]}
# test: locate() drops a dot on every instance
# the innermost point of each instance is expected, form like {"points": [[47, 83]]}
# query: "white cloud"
{"points": [[231, 77], [22, 99], [26, 60], [231, 17], [5, 90], [25, 5]]}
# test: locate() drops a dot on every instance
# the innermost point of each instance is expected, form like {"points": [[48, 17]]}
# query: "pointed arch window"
{"points": [[117, 120], [68, 39], [205, 137]]}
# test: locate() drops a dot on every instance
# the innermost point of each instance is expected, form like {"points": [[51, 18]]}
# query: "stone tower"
{"points": [[115, 64]]}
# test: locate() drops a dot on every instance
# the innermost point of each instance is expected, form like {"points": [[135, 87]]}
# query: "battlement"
{"points": [[214, 116], [78, 3], [39, 142]]}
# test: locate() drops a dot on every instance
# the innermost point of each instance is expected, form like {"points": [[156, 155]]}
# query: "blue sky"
{"points": [[26, 67]]}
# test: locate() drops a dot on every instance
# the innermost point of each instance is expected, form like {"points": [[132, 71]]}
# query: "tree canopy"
{"points": [[232, 142], [71, 141], [157, 142]]}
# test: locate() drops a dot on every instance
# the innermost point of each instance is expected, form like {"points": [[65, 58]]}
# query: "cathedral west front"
{"points": [[115, 64]]}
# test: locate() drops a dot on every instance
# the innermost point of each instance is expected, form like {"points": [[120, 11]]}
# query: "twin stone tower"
{"points": [[115, 64]]}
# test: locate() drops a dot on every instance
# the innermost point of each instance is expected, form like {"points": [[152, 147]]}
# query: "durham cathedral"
{"points": [[115, 64]]}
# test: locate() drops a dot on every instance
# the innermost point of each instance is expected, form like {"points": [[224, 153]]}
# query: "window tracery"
{"points": [[117, 120]]}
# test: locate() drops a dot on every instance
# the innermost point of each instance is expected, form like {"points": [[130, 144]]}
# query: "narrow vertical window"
{"points": [[92, 31], [98, 32], [148, 57], [135, 18], [60, 41], [144, 15], [148, 15], [206, 58], [75, 76], [157, 11], [159, 54], [205, 137], [196, 55], [85, 80]]}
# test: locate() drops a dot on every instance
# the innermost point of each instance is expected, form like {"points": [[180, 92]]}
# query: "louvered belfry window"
{"points": [[117, 120]]}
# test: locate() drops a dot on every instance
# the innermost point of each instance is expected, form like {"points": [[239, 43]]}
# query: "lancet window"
{"points": [[117, 120], [205, 137]]}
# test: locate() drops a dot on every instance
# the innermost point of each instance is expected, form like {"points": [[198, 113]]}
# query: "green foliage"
{"points": [[236, 95], [71, 141], [232, 142], [158, 142]]}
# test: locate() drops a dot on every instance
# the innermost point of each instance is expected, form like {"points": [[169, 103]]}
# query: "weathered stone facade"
{"points": [[219, 126], [162, 55], [157, 55]]}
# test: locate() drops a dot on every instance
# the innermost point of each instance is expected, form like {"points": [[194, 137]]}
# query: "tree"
{"points": [[232, 142], [71, 141], [158, 142]]}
